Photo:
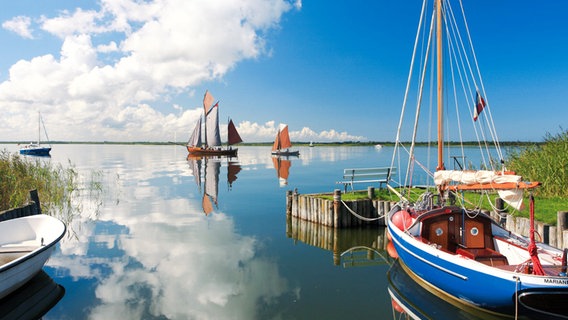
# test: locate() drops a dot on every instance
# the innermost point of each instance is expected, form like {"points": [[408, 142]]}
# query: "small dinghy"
{"points": [[25, 246]]}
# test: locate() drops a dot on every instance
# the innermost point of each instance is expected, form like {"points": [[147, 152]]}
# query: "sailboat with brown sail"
{"points": [[211, 145], [282, 143]]}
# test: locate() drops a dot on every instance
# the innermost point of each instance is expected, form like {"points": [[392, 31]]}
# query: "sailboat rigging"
{"points": [[211, 144], [439, 237], [36, 149], [282, 143]]}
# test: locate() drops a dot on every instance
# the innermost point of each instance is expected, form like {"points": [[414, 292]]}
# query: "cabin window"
{"points": [[474, 231]]}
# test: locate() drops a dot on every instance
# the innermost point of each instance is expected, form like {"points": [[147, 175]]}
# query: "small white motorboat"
{"points": [[25, 246]]}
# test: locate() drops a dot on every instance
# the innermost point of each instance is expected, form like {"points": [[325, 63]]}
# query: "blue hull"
{"points": [[421, 302], [36, 152], [468, 281], [457, 281]]}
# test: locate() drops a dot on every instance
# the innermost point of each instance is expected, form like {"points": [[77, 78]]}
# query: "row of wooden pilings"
{"points": [[339, 214], [333, 213]]}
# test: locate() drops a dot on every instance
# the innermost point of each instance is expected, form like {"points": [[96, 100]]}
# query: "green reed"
{"points": [[546, 163], [19, 175]]}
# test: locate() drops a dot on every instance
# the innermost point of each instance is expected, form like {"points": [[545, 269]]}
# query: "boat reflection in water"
{"points": [[282, 165], [33, 300], [414, 299], [211, 167], [365, 246], [233, 168]]}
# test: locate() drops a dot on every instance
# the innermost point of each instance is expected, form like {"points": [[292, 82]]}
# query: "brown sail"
{"points": [[234, 136], [276, 145], [281, 142]]}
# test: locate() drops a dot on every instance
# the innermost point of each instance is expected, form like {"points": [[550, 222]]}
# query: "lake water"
{"points": [[144, 247]]}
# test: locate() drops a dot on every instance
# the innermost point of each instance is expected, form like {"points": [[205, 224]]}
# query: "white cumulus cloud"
{"points": [[119, 63], [19, 25]]}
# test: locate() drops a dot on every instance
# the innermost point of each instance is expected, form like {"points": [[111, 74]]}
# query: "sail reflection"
{"points": [[232, 170], [211, 167], [282, 166], [32, 300], [350, 247]]}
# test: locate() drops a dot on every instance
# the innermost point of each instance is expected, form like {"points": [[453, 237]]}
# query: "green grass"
{"points": [[380, 194], [545, 208]]}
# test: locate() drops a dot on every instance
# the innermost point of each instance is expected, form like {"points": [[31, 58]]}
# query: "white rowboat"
{"points": [[25, 246]]}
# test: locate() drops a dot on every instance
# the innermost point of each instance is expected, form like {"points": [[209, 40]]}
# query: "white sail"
{"points": [[195, 138], [212, 125], [470, 177]]}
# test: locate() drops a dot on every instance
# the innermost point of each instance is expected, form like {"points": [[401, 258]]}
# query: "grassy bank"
{"points": [[545, 208], [547, 163], [19, 175]]}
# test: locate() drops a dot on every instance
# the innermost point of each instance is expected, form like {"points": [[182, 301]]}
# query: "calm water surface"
{"points": [[144, 248]]}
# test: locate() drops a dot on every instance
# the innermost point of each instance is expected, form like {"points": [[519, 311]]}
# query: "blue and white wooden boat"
{"points": [[487, 266], [442, 238]]}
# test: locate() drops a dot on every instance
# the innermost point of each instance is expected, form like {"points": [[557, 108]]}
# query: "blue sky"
{"points": [[126, 70]]}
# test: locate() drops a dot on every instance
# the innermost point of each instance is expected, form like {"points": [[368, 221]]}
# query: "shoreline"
{"points": [[307, 144]]}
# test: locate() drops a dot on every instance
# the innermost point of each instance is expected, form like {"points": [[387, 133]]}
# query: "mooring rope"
{"points": [[361, 217]]}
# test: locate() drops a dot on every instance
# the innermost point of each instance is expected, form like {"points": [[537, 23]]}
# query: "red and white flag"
{"points": [[479, 105]]}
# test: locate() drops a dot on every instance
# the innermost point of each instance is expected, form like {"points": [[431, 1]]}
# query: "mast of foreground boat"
{"points": [[440, 85]]}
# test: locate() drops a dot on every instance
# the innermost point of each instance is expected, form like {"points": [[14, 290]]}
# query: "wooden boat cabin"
{"points": [[456, 231]]}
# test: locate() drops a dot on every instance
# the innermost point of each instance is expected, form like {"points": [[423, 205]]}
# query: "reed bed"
{"points": [[546, 163], [19, 175]]}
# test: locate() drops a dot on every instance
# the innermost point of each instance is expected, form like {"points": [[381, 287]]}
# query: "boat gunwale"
{"points": [[39, 250]]}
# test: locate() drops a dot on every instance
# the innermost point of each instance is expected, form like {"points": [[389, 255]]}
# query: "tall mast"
{"points": [[205, 128], [38, 128], [440, 85]]}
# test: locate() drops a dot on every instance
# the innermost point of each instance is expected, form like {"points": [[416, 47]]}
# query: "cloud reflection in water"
{"points": [[152, 257]]}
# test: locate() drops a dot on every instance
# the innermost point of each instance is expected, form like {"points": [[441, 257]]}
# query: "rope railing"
{"points": [[359, 216]]}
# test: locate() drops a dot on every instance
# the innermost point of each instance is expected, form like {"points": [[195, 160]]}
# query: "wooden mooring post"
{"points": [[337, 213]]}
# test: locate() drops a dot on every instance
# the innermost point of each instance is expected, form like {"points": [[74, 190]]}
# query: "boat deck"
{"points": [[11, 253]]}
